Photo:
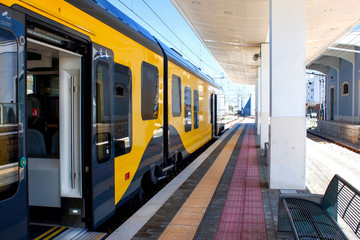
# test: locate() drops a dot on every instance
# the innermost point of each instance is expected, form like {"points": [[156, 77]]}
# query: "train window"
{"points": [[196, 109], [119, 91], [30, 84], [122, 109], [187, 101], [149, 91], [103, 108], [9, 174], [345, 88], [42, 103], [210, 108], [176, 96], [102, 92]]}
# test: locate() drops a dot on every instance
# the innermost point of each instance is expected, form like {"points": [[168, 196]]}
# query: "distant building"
{"points": [[315, 94], [315, 88], [341, 64]]}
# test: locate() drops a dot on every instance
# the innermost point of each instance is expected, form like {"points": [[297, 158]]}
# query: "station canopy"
{"points": [[233, 30]]}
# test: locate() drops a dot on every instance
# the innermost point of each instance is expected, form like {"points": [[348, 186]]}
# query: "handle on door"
{"points": [[73, 175]]}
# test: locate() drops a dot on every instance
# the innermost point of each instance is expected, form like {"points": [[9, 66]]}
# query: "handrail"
{"points": [[72, 134]]}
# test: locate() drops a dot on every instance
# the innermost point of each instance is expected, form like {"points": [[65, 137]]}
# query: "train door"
{"points": [[102, 166], [54, 132], [214, 114], [332, 103], [13, 183]]}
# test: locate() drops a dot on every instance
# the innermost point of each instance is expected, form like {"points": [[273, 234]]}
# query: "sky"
{"points": [[164, 22]]}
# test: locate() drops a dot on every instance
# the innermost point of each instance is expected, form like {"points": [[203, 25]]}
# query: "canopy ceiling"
{"points": [[233, 30]]}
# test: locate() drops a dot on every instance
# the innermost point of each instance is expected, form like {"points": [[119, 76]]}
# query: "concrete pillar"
{"points": [[257, 103], [287, 94], [353, 92], [265, 94], [338, 92]]}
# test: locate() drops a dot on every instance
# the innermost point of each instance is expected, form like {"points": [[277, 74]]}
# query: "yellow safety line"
{"points": [[187, 220], [102, 234], [53, 234], [46, 233]]}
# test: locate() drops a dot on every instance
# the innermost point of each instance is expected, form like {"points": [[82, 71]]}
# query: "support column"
{"points": [[353, 92], [265, 94], [257, 104], [288, 94]]}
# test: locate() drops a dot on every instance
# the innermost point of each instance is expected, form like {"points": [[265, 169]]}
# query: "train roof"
{"points": [[177, 58], [112, 16], [124, 18]]}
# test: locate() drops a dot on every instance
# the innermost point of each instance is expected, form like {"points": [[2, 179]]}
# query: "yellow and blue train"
{"points": [[93, 109]]}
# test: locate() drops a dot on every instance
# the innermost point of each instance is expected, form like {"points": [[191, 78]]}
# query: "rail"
{"points": [[333, 141]]}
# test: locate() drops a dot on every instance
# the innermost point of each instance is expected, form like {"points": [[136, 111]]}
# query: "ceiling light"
{"points": [[228, 12], [196, 2], [328, 10]]}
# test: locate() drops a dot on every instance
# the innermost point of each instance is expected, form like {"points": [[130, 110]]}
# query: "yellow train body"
{"points": [[131, 53]]}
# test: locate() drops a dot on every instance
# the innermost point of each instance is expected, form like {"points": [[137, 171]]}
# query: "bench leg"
{"points": [[283, 220]]}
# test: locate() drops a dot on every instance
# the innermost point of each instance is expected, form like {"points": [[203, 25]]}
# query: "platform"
{"points": [[218, 196], [346, 132]]}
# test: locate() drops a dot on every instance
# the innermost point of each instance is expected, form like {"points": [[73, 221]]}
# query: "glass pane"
{"points": [[122, 109], [42, 103], [103, 146], [8, 115], [187, 101], [210, 108], [176, 96], [30, 84], [102, 92], [149, 91], [103, 127], [196, 109]]}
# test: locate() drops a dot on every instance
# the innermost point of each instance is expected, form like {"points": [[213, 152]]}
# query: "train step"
{"points": [[60, 233]]}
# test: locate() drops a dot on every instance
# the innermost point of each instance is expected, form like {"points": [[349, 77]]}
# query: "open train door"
{"points": [[102, 165], [13, 179], [213, 103]]}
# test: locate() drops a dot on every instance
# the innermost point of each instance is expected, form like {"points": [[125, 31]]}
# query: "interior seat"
{"points": [[55, 144], [35, 143]]}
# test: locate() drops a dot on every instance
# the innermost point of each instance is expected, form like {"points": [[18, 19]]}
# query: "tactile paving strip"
{"points": [[186, 222], [243, 214]]}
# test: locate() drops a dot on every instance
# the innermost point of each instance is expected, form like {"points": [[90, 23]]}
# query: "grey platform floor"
{"points": [[320, 169]]}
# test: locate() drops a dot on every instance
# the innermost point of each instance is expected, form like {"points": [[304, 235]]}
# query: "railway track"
{"points": [[356, 150]]}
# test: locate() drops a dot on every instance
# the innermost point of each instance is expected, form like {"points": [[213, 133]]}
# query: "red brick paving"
{"points": [[243, 214]]}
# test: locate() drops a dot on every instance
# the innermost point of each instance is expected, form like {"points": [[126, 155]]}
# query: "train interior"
{"points": [[54, 131]]}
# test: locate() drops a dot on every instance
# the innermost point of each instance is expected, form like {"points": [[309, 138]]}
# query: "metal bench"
{"points": [[309, 220]]}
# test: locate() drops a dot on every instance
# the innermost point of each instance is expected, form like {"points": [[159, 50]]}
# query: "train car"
{"points": [[93, 109]]}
